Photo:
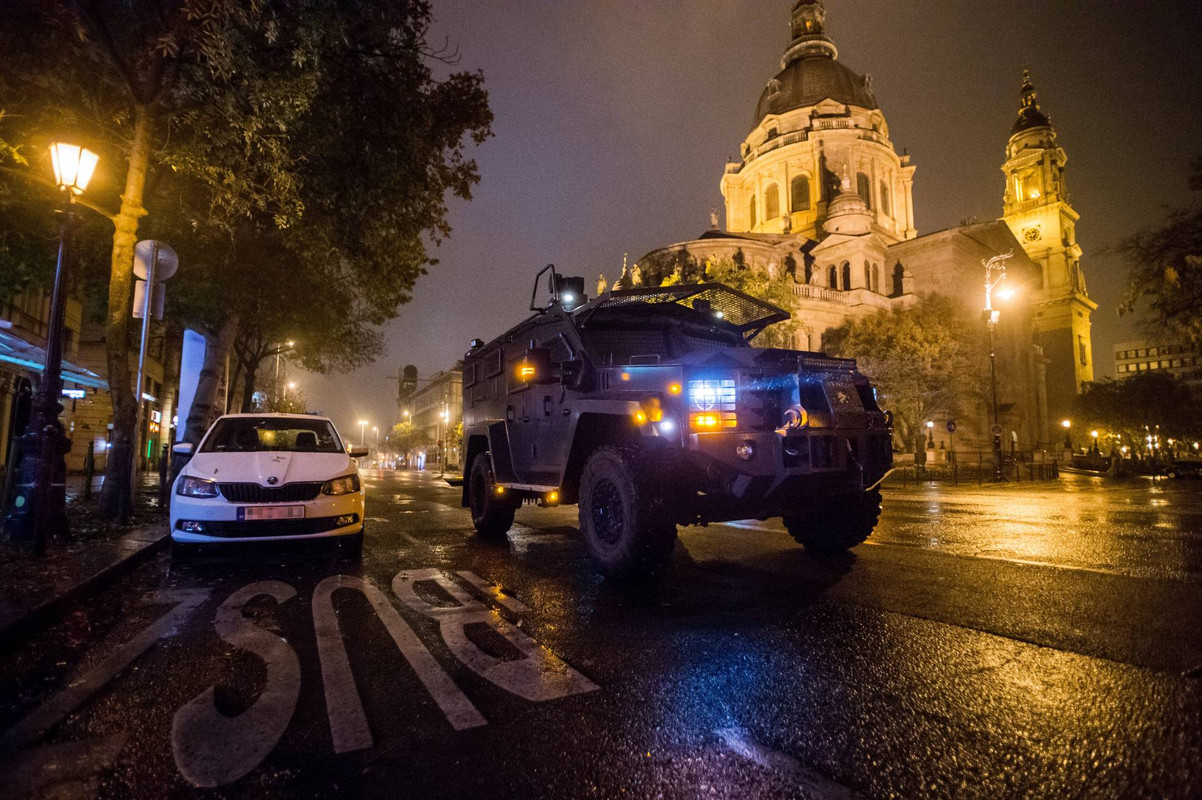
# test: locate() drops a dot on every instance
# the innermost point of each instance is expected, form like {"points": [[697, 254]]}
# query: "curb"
{"points": [[40, 616]]}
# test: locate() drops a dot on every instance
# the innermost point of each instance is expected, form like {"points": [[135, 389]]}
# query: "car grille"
{"points": [[273, 527], [254, 493]]}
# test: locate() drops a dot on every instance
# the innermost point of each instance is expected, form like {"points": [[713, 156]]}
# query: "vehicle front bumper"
{"points": [[220, 522], [784, 471]]}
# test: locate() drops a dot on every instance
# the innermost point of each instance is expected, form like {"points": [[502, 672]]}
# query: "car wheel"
{"points": [[492, 515], [837, 525], [624, 516]]}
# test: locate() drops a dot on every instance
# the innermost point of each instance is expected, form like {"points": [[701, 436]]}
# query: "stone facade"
{"points": [[821, 199]]}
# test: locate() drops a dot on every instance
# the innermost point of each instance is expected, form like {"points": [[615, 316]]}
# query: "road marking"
{"points": [[538, 677], [493, 591], [813, 783], [212, 749], [348, 723], [375, 519], [78, 692]]}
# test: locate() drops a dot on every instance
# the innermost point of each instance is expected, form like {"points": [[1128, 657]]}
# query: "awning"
{"points": [[15, 350]]}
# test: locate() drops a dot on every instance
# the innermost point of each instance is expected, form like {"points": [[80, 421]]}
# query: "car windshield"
{"points": [[271, 434], [644, 333]]}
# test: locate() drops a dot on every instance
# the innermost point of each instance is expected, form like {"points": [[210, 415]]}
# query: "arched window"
{"points": [[800, 189], [864, 188], [885, 204], [846, 275], [832, 277], [876, 278], [751, 213], [899, 280], [867, 276], [771, 203]]}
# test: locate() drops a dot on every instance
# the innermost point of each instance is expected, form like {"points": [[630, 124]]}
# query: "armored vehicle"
{"points": [[649, 408]]}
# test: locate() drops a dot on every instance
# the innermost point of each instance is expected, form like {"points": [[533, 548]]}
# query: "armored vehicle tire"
{"points": [[492, 516], [837, 525], [623, 517]]}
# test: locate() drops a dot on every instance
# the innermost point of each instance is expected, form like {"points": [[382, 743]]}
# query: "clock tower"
{"points": [[1037, 210]]}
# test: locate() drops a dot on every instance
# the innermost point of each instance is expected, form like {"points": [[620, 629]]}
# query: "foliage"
{"points": [[405, 438], [1130, 409], [762, 286], [278, 397], [1165, 266], [919, 359], [679, 266]]}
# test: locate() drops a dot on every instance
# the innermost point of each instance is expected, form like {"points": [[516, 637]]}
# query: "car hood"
{"points": [[260, 468]]}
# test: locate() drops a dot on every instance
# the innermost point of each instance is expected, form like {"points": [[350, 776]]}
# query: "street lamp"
{"points": [[930, 435], [362, 432], [279, 350], [39, 508], [997, 264], [1068, 433]]}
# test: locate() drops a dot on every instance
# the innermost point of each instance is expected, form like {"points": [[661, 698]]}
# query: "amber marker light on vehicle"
{"points": [[526, 371], [674, 388], [640, 417]]}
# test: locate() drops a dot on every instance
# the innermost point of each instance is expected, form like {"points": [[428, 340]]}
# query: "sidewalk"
{"points": [[34, 590]]}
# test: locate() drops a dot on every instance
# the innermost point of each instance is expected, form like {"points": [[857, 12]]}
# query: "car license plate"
{"points": [[270, 512]]}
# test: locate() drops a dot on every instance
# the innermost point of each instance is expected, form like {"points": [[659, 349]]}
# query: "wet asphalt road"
{"points": [[1038, 642]]}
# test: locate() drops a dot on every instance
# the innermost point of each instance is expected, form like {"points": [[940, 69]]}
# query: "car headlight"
{"points": [[712, 405], [196, 487], [347, 484]]}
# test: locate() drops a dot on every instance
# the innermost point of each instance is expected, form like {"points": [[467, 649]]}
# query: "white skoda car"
{"points": [[267, 477]]}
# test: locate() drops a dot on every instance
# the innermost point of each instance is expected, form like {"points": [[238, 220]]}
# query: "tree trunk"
{"points": [[115, 498], [206, 402], [248, 390]]}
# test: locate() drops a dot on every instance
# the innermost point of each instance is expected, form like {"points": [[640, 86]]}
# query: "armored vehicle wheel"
{"points": [[623, 517], [492, 515], [837, 525]]}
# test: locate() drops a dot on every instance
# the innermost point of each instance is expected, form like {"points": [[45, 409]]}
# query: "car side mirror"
{"points": [[183, 448], [357, 452]]}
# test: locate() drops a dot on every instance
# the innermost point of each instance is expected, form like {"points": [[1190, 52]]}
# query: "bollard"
{"points": [[89, 470]]}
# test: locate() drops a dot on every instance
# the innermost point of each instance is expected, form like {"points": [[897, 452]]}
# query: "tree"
{"points": [[118, 73], [1146, 404], [919, 359], [405, 437], [297, 155], [1165, 266]]}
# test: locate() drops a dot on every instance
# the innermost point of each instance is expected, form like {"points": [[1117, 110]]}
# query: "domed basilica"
{"points": [[821, 199]]}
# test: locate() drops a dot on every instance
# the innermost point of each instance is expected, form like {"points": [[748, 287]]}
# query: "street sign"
{"points": [[997, 430], [168, 260], [951, 426], [158, 302]]}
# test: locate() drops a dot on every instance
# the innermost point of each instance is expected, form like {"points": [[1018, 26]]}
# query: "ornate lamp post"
{"points": [[995, 265], [39, 507], [1068, 433]]}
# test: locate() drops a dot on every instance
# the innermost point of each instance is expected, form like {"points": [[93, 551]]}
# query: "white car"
{"points": [[268, 477]]}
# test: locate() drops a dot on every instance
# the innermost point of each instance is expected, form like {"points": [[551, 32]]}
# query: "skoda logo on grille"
{"points": [[273, 480]]}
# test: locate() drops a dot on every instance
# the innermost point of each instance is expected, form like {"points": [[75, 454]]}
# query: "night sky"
{"points": [[614, 121]]}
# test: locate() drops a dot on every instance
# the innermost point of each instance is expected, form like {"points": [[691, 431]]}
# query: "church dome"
{"points": [[808, 81], [811, 71]]}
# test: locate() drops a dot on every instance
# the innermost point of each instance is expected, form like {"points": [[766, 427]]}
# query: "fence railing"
{"points": [[979, 467]]}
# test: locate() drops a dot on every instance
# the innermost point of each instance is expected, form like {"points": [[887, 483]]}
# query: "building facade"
{"points": [[1182, 361], [821, 199], [436, 407]]}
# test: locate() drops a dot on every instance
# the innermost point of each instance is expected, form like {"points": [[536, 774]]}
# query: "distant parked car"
{"points": [[268, 477], [1185, 468]]}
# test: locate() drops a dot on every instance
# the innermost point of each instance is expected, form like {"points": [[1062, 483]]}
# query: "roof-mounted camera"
{"points": [[566, 292]]}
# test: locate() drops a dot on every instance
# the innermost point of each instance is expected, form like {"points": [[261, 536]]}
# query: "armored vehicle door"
{"points": [[537, 455]]}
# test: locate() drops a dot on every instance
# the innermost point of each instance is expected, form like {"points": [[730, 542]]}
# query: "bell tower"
{"points": [[1038, 211]]}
